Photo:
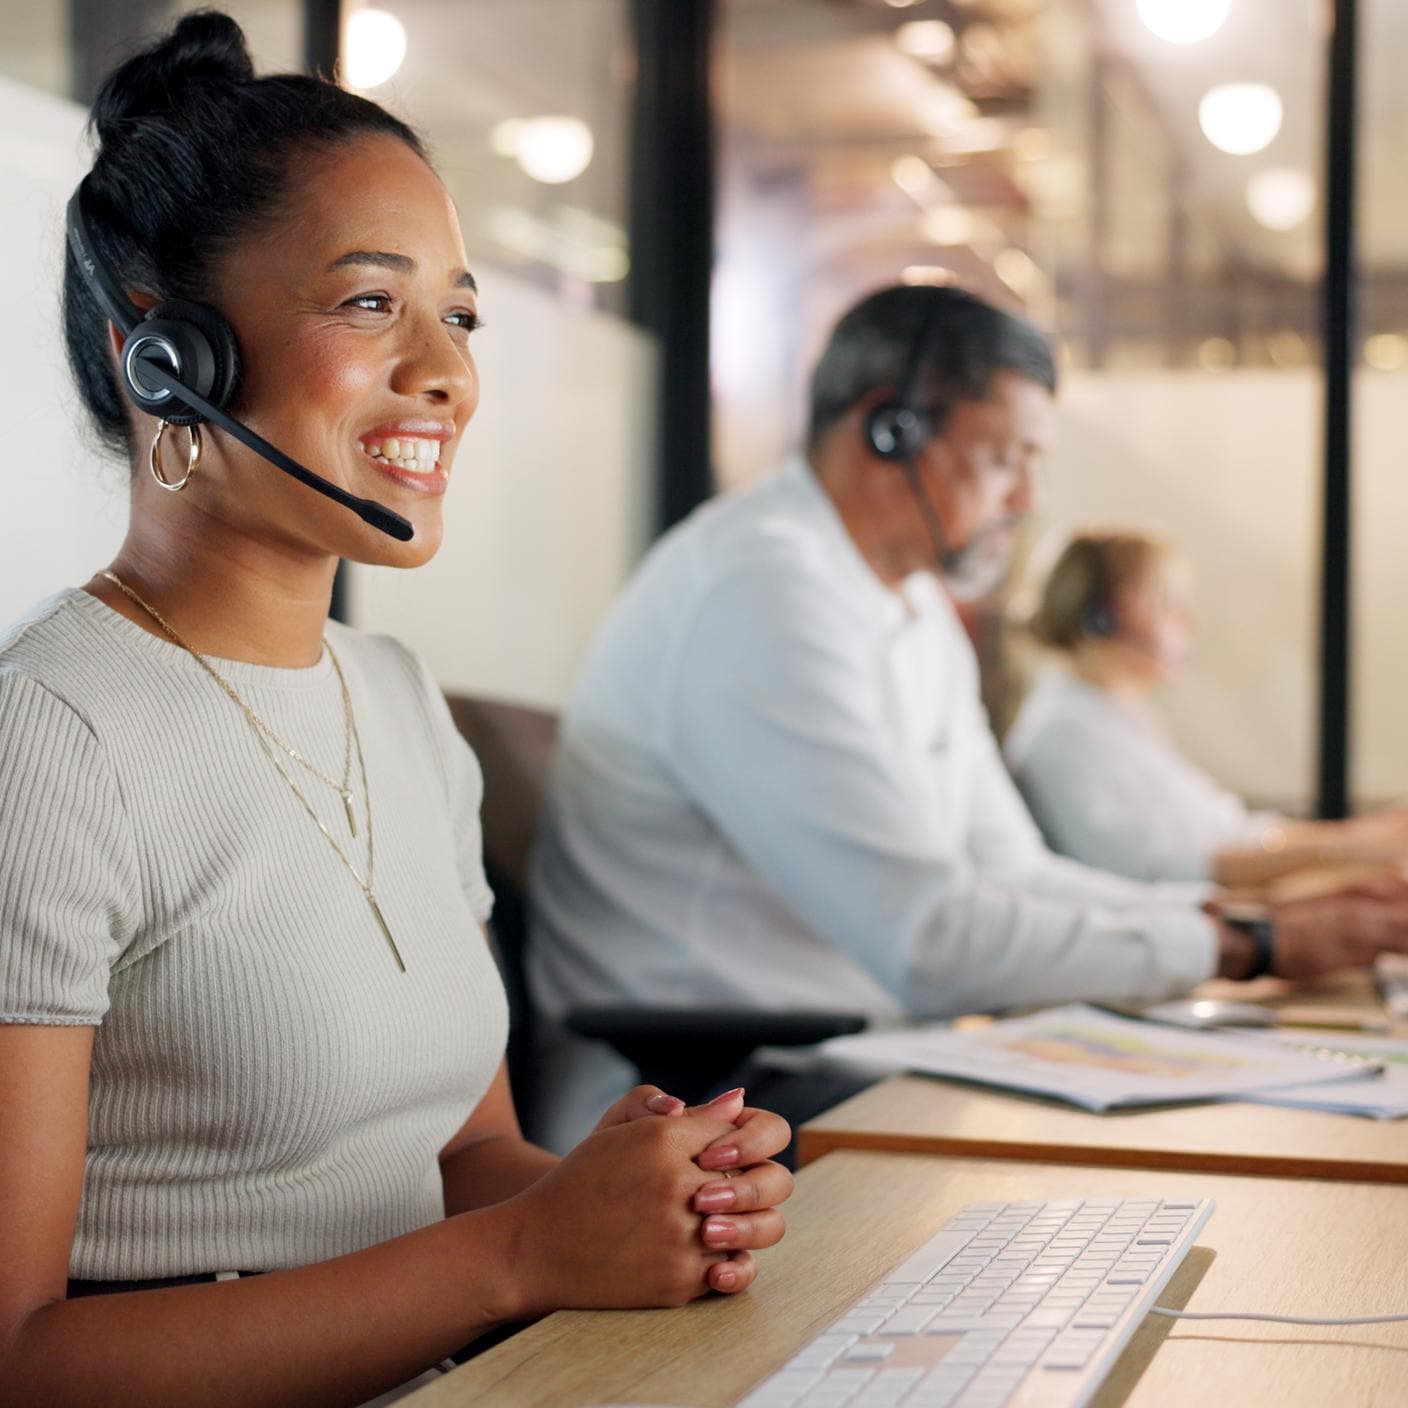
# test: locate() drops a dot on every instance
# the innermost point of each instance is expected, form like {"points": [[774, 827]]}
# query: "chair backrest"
{"points": [[514, 744]]}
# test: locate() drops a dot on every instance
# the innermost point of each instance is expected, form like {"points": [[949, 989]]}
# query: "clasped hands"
{"points": [[738, 1185], [659, 1205]]}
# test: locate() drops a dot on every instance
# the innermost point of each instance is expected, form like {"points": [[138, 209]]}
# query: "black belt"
{"points": [[108, 1288]]}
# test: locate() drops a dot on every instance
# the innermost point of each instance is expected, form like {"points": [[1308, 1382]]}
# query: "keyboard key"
{"points": [[909, 1320], [860, 1353], [858, 1325], [932, 1257]]}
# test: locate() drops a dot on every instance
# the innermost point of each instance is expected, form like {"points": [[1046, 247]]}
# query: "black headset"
{"points": [[1100, 621], [180, 362], [896, 431]]}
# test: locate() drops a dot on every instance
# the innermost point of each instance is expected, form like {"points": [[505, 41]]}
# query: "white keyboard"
{"points": [[1010, 1305]]}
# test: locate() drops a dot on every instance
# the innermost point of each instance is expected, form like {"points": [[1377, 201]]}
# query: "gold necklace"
{"points": [[265, 734], [343, 788]]}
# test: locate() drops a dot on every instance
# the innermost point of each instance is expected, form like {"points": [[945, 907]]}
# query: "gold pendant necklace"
{"points": [[266, 735]]}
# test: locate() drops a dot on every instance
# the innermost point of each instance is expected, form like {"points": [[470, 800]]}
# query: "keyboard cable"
{"points": [[1275, 1319]]}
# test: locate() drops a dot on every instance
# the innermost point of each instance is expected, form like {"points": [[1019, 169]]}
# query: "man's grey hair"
{"points": [[967, 341]]}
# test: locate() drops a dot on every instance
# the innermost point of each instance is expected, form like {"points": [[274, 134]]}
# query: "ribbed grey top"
{"points": [[267, 1089]]}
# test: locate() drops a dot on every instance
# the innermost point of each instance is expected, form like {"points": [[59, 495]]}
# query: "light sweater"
{"points": [[1108, 787], [776, 787], [267, 1089]]}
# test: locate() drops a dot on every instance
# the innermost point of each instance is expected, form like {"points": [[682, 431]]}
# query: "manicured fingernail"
{"points": [[662, 1104], [719, 1231], [726, 1278], [715, 1199], [735, 1094], [726, 1156]]}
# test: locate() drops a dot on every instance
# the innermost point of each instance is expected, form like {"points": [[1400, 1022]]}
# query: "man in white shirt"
{"points": [[775, 784]]}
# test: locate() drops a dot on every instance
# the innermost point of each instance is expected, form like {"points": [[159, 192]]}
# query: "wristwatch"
{"points": [[1256, 923]]}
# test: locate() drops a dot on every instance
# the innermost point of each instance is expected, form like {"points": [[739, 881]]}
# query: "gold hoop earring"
{"points": [[193, 453]]}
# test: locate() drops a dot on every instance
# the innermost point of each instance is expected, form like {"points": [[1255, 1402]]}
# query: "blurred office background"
{"points": [[667, 202]]}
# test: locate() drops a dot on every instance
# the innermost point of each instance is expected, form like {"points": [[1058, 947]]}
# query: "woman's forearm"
{"points": [[491, 1170], [1290, 846], [322, 1336]]}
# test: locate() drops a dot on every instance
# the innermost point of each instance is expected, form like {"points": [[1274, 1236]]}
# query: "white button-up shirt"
{"points": [[776, 787], [1108, 787]]}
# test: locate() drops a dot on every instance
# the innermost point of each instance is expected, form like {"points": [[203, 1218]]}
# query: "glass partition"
{"points": [[1152, 203]]}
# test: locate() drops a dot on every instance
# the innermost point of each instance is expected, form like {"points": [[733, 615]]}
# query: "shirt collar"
{"points": [[915, 597]]}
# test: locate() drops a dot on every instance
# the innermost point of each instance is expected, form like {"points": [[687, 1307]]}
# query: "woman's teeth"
{"points": [[405, 452]]}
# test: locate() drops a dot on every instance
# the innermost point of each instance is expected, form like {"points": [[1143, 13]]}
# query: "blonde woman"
{"points": [[1103, 779]]}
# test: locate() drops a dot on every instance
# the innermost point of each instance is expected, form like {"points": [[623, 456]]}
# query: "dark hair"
{"points": [[194, 153], [870, 346]]}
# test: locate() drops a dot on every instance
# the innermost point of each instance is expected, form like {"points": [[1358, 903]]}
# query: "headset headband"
{"points": [[116, 304], [921, 350]]}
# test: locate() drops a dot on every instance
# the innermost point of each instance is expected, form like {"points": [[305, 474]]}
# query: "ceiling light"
{"points": [[1240, 118], [375, 48], [1217, 354], [913, 175], [1281, 197], [1184, 21], [1287, 348], [1386, 351], [902, 4], [932, 41], [949, 225], [549, 149], [918, 274]]}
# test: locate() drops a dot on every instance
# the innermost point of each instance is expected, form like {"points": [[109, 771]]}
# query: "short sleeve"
{"points": [[70, 899]]}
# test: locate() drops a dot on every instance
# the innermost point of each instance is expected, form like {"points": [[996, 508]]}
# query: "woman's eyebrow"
{"points": [[402, 263]]}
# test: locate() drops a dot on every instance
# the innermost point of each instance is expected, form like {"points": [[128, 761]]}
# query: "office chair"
{"points": [[687, 1051]]}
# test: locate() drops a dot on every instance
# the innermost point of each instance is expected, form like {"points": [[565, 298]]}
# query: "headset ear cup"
{"points": [[1101, 624], [895, 432], [209, 356]]}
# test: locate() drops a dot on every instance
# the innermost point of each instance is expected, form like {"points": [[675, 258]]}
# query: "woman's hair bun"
{"points": [[206, 46]]}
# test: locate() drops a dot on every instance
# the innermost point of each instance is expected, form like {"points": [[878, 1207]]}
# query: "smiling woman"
{"points": [[252, 1099]]}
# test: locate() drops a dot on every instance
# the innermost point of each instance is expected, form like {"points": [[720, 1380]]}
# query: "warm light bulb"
{"points": [[1184, 21], [376, 47], [913, 175], [1281, 197], [552, 150], [1240, 118], [1386, 351], [929, 40], [949, 225]]}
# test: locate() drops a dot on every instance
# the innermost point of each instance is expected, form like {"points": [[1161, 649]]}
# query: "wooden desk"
{"points": [[921, 1114], [1296, 1248]]}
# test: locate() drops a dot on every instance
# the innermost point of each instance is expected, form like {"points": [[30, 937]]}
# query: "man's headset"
{"points": [[180, 362], [897, 430]]}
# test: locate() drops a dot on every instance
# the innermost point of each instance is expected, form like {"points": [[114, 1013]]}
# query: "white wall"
{"points": [[549, 508], [1226, 468], [63, 507]]}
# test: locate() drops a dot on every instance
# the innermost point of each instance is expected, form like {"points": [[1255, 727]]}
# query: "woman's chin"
{"points": [[377, 549]]}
